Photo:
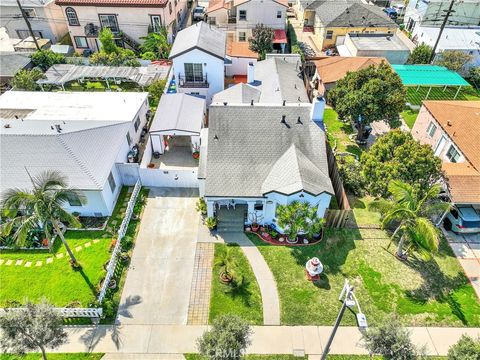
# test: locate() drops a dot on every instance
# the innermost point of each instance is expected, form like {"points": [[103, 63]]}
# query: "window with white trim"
{"points": [[431, 129], [109, 21], [329, 34], [452, 154], [242, 15], [279, 14], [242, 36], [156, 21], [29, 12]]}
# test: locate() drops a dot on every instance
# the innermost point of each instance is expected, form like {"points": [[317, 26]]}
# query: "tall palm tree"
{"points": [[413, 213], [42, 206]]}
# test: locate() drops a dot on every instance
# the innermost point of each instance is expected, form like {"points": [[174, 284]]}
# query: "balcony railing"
{"points": [[193, 81]]}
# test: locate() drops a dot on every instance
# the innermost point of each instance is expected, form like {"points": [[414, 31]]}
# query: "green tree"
{"points": [[412, 212], [42, 206], [44, 59], [453, 59], [227, 339], [392, 341], [108, 42], [31, 328], [155, 91], [466, 348], [27, 79], [299, 217], [262, 40], [124, 57], [398, 156], [474, 75], [370, 94], [420, 55], [226, 260], [157, 43]]}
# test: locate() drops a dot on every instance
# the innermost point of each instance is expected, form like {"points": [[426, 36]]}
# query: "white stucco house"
{"points": [[265, 146], [198, 56], [129, 20], [83, 135], [45, 17]]}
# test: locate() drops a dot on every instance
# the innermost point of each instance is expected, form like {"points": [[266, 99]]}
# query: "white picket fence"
{"points": [[112, 264], [68, 312]]}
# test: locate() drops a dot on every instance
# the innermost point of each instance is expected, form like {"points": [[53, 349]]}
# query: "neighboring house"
{"points": [[10, 64], [129, 20], [452, 129], [265, 147], [331, 69], [83, 135], [330, 21], [198, 56], [465, 39], [45, 17], [396, 48], [431, 13], [240, 55]]}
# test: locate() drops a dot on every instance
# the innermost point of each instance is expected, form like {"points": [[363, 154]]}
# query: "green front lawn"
{"points": [[434, 294], [53, 356], [251, 357], [244, 300], [338, 132], [363, 217], [415, 97], [56, 280], [410, 116]]}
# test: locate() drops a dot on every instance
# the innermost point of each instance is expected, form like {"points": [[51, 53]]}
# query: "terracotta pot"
{"points": [[196, 155], [226, 279], [151, 165], [255, 227], [112, 284]]}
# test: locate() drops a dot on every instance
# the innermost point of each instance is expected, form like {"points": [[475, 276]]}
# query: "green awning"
{"points": [[428, 75]]}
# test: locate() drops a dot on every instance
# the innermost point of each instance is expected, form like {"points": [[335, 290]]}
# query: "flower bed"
{"points": [[281, 239]]}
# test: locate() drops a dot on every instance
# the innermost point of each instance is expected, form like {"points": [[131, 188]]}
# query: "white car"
{"points": [[462, 220], [199, 13]]}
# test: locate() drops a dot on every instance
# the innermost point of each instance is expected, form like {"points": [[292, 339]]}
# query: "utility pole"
{"points": [[25, 17], [447, 15]]}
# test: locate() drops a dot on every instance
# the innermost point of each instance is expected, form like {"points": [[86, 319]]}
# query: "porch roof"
{"points": [[180, 112]]}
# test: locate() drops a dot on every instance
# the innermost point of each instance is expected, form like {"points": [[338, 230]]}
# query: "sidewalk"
{"points": [[180, 339]]}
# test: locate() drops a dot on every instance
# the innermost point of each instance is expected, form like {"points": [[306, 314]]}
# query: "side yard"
{"points": [[415, 97]]}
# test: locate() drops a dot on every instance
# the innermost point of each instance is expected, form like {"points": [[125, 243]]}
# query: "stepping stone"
{"points": [[96, 241], [2, 261], [38, 263], [18, 262], [9, 262], [78, 248], [49, 260], [88, 244], [60, 255], [28, 264], [130, 190]]}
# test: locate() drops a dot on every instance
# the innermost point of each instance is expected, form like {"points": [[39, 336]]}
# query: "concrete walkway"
{"points": [[157, 288], [265, 279], [181, 339]]}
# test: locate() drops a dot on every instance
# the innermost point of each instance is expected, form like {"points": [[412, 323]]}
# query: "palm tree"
{"points": [[41, 206], [292, 218], [413, 213], [226, 260]]}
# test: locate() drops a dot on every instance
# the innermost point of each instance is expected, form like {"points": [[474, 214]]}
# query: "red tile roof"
{"points": [[214, 5], [239, 48], [122, 3], [463, 182]]}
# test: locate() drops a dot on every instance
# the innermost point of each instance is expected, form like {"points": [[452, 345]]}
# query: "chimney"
{"points": [[318, 108], [250, 73]]}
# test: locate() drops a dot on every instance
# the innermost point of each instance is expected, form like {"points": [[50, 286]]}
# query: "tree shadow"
{"points": [[92, 337], [124, 308], [240, 289], [92, 287], [323, 282]]}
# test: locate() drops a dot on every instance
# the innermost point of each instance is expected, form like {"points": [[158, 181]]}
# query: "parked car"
{"points": [[462, 220], [391, 13], [199, 13]]}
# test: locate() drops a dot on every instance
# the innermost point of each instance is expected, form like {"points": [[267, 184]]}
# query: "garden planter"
{"points": [[112, 284], [255, 227], [124, 257], [225, 278], [196, 155], [151, 165], [291, 241]]}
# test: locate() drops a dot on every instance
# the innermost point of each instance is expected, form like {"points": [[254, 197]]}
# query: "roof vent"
{"points": [[295, 86], [284, 121], [16, 117], [225, 103], [59, 129], [299, 99], [284, 101], [251, 102], [215, 137], [299, 121], [449, 123], [6, 126]]}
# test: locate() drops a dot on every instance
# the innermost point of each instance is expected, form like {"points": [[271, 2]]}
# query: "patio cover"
{"points": [[144, 75], [428, 75], [181, 112], [280, 37]]}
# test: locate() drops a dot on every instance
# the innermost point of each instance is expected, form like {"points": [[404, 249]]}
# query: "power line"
{"points": [[25, 17], [442, 27]]}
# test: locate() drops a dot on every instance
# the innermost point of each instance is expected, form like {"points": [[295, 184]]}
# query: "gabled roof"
{"points": [[238, 94], [119, 3], [200, 36], [12, 62], [214, 5], [294, 172], [250, 151], [461, 121], [463, 182], [181, 112], [281, 2], [334, 68]]}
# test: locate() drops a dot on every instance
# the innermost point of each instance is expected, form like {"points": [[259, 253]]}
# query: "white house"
{"points": [[265, 147], [198, 56], [129, 20], [45, 17], [83, 135], [465, 39]]}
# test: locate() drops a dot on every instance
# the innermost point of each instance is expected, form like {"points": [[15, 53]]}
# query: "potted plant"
{"points": [[112, 284], [226, 261], [255, 220], [201, 206], [196, 151], [211, 223]]}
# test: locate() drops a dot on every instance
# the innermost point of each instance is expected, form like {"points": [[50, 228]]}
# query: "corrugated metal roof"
{"points": [[428, 75]]}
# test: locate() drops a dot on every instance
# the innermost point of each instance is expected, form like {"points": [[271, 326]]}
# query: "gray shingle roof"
{"points": [[179, 112], [11, 63], [250, 152], [238, 94], [201, 36]]}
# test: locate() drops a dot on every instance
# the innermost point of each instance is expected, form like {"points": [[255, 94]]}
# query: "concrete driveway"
{"points": [[157, 288]]}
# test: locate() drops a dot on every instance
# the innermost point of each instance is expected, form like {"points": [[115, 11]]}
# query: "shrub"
{"points": [[26, 80], [155, 90], [148, 55], [211, 223], [466, 348], [201, 206], [46, 58], [353, 180], [108, 309]]}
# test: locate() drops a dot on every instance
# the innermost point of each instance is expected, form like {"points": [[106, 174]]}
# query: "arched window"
{"points": [[72, 16]]}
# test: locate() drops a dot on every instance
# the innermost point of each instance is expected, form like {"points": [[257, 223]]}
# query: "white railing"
{"points": [[112, 264], [68, 312]]}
